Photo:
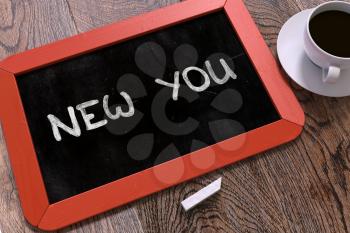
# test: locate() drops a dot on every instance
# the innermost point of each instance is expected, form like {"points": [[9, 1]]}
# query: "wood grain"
{"points": [[89, 14], [28, 24], [299, 187]]}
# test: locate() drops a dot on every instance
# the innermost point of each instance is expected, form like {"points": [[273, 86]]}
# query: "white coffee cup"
{"points": [[330, 64]]}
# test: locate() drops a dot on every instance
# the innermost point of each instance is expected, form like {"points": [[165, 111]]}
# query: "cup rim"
{"points": [[308, 29]]}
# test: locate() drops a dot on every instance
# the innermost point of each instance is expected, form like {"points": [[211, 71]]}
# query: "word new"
{"points": [[87, 117]]}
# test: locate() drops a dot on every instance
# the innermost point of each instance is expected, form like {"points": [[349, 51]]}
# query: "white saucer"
{"points": [[290, 49]]}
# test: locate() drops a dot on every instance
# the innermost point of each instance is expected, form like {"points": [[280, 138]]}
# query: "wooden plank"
{"points": [[124, 219], [29, 24], [89, 14]]}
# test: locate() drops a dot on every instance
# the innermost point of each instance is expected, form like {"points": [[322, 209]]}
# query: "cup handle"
{"points": [[331, 74]]}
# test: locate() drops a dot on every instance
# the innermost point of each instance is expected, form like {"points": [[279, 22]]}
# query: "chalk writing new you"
{"points": [[75, 130]]}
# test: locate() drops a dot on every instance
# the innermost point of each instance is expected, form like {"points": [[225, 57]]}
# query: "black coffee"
{"points": [[331, 32]]}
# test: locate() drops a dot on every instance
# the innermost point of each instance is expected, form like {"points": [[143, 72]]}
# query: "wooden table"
{"points": [[299, 187]]}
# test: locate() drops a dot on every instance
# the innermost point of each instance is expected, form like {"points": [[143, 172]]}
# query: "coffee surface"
{"points": [[330, 31]]}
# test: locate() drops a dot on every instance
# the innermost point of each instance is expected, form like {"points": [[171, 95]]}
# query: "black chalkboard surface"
{"points": [[160, 128]]}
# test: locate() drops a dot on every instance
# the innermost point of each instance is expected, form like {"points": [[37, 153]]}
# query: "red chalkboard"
{"points": [[100, 119]]}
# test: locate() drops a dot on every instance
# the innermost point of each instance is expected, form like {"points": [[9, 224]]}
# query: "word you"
{"points": [[229, 73], [75, 130]]}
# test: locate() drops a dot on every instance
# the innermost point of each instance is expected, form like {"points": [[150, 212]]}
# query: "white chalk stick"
{"points": [[201, 195]]}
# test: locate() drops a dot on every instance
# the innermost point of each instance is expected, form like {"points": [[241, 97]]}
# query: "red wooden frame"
{"points": [[35, 205]]}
